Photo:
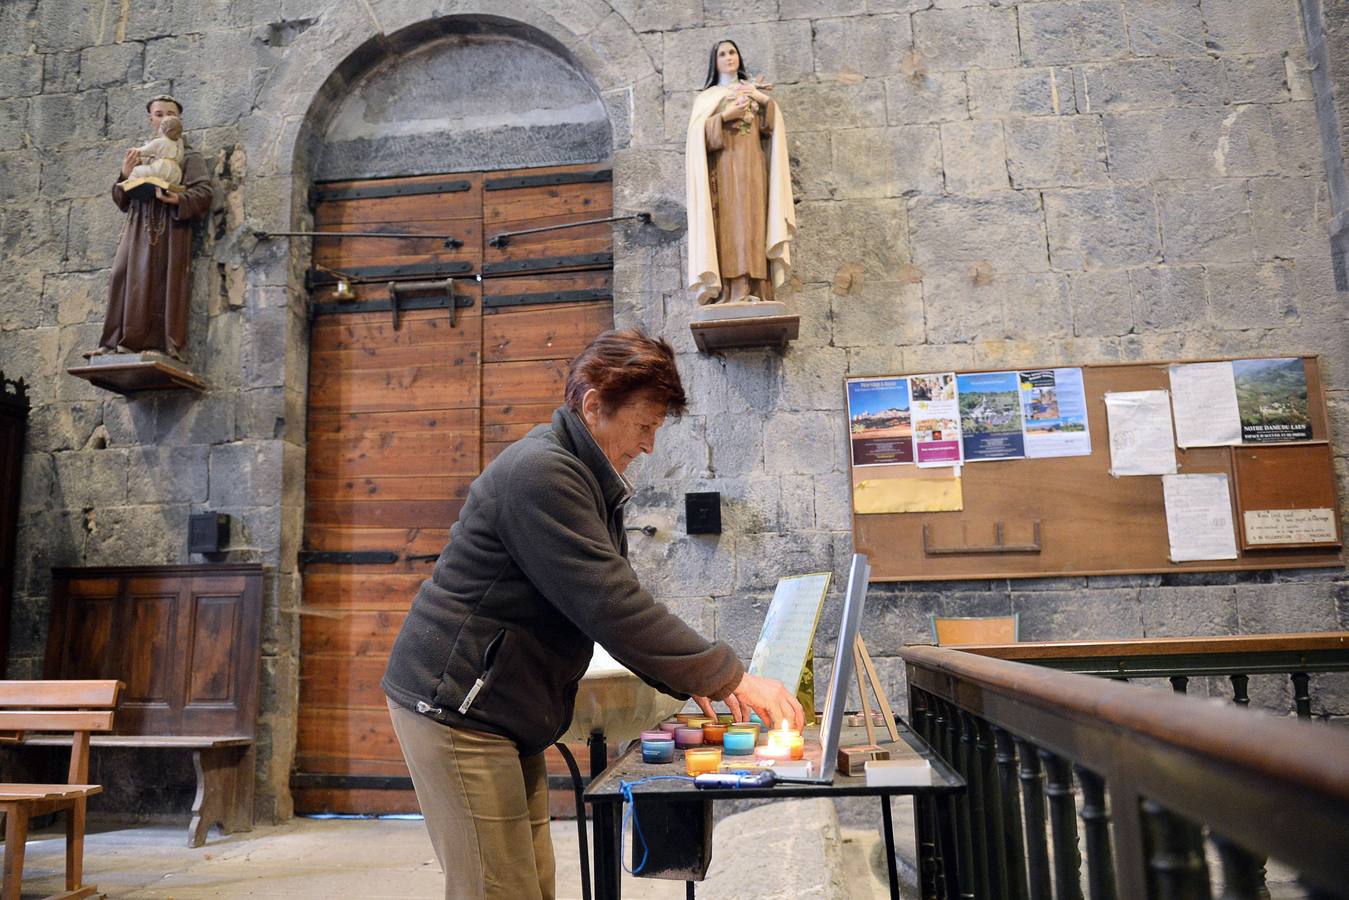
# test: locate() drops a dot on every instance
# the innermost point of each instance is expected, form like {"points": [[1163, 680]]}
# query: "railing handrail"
{"points": [[1300, 755], [1271, 785], [1165, 646]]}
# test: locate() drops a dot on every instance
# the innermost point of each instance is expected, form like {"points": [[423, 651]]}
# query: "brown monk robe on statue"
{"points": [[150, 285], [739, 197]]}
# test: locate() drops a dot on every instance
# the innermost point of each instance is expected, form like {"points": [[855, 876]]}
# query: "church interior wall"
{"points": [[1009, 184]]}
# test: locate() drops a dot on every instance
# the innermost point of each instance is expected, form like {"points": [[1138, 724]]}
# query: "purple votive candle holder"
{"points": [[658, 751], [737, 743], [670, 727], [657, 734], [688, 737]]}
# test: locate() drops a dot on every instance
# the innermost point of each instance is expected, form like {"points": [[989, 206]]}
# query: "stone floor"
{"points": [[331, 858]]}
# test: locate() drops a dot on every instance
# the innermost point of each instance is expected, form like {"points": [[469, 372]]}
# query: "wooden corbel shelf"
{"points": [[131, 373], [738, 334]]}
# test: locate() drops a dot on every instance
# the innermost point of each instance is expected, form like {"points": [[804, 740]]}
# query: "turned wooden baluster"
{"points": [[1243, 872], [1033, 805], [1013, 863], [1096, 823], [1063, 828], [1240, 685], [1176, 867], [1302, 697]]}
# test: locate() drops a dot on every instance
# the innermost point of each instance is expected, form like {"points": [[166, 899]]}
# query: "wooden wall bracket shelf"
{"points": [[999, 544], [131, 373], [739, 334]]}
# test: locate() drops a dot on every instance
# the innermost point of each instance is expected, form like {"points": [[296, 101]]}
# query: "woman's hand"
{"points": [[765, 696], [737, 108]]}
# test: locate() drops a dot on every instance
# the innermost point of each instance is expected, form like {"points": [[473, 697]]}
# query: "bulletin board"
{"points": [[1066, 516]]}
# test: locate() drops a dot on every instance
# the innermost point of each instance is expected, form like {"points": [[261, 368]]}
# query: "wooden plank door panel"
{"points": [[402, 419]]}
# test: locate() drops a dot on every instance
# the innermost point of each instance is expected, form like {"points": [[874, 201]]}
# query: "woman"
{"points": [[741, 218], [483, 675]]}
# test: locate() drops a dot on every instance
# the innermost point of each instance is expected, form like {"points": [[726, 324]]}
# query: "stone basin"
{"points": [[613, 700]]}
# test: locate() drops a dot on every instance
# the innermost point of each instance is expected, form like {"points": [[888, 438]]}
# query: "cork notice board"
{"points": [[1031, 518]]}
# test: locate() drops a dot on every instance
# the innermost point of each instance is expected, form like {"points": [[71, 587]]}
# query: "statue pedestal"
{"points": [[730, 326], [130, 373]]}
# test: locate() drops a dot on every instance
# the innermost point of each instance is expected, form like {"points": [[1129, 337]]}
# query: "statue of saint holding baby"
{"points": [[738, 187], [164, 189]]}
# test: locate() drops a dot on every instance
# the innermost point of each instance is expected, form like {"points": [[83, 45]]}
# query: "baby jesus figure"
{"points": [[160, 158]]}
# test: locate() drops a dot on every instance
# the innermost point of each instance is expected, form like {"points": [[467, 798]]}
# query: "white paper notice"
{"points": [[1199, 517], [1204, 396], [1141, 440]]}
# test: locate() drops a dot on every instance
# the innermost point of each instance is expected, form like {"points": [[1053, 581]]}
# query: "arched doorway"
{"points": [[473, 135]]}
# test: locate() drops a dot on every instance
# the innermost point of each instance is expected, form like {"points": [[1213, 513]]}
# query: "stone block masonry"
{"points": [[1050, 182]]}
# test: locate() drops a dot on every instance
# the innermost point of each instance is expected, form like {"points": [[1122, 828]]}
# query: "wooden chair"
{"points": [[78, 707], [954, 631]]}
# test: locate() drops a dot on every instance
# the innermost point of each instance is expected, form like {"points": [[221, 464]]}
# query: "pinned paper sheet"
{"points": [[904, 495], [1199, 517], [1141, 440], [1204, 396]]}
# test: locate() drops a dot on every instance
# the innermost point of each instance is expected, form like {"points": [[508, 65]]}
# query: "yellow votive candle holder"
{"points": [[725, 718], [700, 760]]}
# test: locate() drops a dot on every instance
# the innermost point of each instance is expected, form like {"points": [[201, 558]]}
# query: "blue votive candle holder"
{"points": [[657, 751], [737, 743]]}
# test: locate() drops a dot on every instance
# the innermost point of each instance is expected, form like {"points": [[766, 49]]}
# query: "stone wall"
{"points": [[978, 185]]}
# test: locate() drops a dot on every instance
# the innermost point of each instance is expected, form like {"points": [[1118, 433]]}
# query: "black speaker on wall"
{"points": [[702, 512], [208, 533]]}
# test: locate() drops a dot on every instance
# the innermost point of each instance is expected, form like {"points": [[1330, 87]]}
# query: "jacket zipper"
{"points": [[488, 658]]}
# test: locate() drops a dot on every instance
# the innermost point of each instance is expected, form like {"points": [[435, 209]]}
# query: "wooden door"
{"points": [[403, 417]]}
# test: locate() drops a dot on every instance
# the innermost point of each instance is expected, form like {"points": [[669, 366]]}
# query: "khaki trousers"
{"points": [[486, 808]]}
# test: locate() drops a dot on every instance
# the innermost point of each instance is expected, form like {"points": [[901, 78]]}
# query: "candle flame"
{"points": [[783, 725]]}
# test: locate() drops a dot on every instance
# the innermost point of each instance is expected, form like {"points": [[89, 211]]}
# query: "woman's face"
{"points": [[626, 432], [728, 60]]}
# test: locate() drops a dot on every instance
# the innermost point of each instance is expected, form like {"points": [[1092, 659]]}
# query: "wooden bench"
{"points": [[185, 640], [78, 707]]}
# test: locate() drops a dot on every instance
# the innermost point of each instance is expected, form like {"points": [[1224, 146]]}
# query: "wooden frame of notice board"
{"points": [[1067, 516]]}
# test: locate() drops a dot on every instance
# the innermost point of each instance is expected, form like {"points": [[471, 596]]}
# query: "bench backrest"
{"points": [[78, 707], [184, 639]]}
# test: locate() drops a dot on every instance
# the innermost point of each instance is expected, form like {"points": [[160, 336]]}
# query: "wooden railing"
{"points": [[1296, 656], [1160, 776]]}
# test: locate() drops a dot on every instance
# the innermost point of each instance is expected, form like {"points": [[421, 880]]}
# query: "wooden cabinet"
{"points": [[184, 640], [13, 424]]}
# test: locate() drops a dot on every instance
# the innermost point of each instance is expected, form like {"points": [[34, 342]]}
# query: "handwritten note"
{"points": [[1204, 396], [1141, 440], [789, 629], [1199, 517], [1290, 526]]}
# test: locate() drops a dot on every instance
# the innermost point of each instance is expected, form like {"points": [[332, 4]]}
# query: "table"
{"points": [[676, 817]]}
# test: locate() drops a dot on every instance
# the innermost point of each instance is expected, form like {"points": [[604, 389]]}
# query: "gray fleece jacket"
{"points": [[535, 572]]}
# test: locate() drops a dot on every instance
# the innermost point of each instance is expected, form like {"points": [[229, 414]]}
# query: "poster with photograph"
{"points": [[1272, 400], [990, 416], [936, 419], [880, 430], [1054, 405]]}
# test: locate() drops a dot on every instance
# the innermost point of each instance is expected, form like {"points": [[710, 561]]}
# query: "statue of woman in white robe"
{"points": [[739, 198]]}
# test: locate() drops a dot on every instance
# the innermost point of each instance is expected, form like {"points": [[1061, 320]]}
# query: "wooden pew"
{"points": [[185, 640], [78, 707]]}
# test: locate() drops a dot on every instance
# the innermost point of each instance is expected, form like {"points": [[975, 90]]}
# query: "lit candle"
{"points": [[713, 733], [658, 751], [738, 743], [699, 760], [782, 743], [688, 737]]}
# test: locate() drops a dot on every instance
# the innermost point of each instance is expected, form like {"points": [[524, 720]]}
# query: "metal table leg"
{"points": [[608, 850], [891, 869]]}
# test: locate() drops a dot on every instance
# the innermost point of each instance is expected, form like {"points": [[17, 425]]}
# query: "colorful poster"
{"points": [[1272, 399], [880, 430], [1054, 405], [936, 419], [990, 416]]}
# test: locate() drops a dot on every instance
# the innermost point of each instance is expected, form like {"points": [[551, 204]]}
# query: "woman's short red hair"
{"points": [[621, 365]]}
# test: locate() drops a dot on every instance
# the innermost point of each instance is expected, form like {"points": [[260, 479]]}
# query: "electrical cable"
{"points": [[625, 787]]}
